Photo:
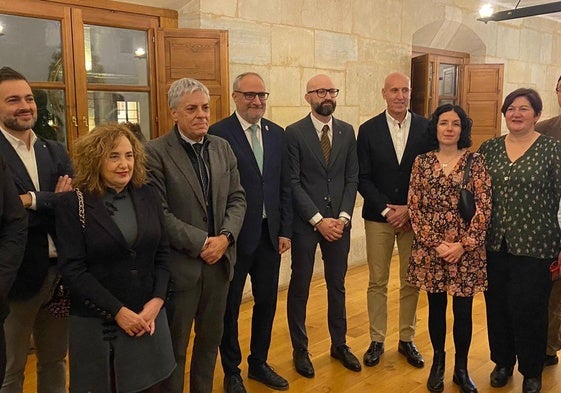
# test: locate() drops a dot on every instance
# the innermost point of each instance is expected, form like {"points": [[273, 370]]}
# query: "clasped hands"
{"points": [[450, 252], [398, 217], [331, 228], [144, 322]]}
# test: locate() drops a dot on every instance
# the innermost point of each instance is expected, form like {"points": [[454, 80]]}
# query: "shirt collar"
{"points": [[318, 125], [245, 124], [16, 142], [394, 122], [188, 140]]}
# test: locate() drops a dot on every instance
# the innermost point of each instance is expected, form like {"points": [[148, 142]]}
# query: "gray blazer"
{"points": [[172, 174], [318, 186]]}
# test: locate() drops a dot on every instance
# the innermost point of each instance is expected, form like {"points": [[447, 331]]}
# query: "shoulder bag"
{"points": [[466, 203]]}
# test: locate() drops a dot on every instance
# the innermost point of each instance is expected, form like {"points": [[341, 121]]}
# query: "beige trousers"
{"points": [[380, 240]]}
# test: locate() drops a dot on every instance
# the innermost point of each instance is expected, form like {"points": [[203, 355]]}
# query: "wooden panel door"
{"points": [[198, 54], [482, 93], [420, 87]]}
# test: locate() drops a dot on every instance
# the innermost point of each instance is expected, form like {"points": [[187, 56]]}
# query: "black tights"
{"points": [[461, 307]]}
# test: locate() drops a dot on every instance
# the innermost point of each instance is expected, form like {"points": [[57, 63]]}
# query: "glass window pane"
{"points": [[447, 75], [119, 107], [32, 46], [51, 114], [116, 56]]}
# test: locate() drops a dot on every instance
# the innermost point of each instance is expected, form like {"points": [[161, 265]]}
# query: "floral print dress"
{"points": [[433, 208]]}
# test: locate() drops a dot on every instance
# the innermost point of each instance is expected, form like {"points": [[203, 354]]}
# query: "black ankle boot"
{"points": [[461, 377], [435, 383]]}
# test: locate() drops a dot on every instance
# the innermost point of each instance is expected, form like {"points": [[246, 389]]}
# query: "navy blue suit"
{"points": [[257, 244]]}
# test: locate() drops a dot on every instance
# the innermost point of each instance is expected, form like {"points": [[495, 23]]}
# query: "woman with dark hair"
{"points": [[448, 252], [114, 256], [522, 240]]}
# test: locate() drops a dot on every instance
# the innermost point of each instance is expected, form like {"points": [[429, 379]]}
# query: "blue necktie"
{"points": [[256, 146]]}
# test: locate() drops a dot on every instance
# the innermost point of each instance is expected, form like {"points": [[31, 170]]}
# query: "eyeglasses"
{"points": [[323, 92], [250, 95]]}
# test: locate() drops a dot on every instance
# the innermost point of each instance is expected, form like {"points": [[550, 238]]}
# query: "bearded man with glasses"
{"points": [[324, 177]]}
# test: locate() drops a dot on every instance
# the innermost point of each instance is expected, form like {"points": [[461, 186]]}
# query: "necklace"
{"points": [[445, 164]]}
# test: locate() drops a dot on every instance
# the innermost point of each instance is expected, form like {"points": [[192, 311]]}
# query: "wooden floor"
{"points": [[392, 375]]}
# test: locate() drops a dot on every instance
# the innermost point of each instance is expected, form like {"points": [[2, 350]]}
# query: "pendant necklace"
{"points": [[445, 164]]}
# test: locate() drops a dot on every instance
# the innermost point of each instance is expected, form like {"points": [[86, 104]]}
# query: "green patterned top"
{"points": [[526, 196]]}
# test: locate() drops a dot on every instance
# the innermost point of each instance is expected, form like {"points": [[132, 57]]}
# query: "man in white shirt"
{"points": [[40, 169]]}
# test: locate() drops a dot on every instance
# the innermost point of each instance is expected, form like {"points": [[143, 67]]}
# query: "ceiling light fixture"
{"points": [[486, 10], [516, 13]]}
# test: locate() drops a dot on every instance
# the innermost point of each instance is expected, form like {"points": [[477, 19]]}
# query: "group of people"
{"points": [[156, 239]]}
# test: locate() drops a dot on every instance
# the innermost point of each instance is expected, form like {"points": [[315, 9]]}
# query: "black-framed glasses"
{"points": [[323, 92], [250, 95]]}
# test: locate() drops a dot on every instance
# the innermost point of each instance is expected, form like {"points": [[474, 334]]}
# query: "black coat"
{"points": [[98, 265]]}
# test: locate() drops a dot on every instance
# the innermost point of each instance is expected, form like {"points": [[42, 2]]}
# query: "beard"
{"points": [[14, 124], [325, 108]]}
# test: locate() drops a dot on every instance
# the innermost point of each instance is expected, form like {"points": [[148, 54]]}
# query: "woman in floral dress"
{"points": [[448, 253]]}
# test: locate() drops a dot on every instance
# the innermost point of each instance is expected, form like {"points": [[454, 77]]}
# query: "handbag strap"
{"points": [[466, 170], [81, 210]]}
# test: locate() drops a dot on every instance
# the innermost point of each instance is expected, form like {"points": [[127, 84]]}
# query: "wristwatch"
{"points": [[229, 236]]}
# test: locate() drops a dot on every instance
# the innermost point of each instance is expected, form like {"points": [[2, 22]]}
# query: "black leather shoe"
{"points": [[345, 356], [372, 356], [234, 384], [302, 363], [462, 379], [267, 376], [409, 350], [532, 385], [500, 376], [550, 360], [435, 383]]}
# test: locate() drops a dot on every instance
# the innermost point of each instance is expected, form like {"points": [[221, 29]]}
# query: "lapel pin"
{"points": [[267, 127]]}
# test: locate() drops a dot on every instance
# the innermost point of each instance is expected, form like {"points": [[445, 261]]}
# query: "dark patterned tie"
{"points": [[203, 170], [325, 144]]}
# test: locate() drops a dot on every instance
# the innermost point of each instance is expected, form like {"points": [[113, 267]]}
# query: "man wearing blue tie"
{"points": [[260, 148]]}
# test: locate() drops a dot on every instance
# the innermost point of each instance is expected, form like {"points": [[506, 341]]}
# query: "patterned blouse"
{"points": [[433, 207], [526, 196]]}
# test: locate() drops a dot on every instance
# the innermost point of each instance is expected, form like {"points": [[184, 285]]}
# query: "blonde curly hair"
{"points": [[90, 151]]}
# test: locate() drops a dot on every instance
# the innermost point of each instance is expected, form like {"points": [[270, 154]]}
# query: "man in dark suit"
{"points": [[552, 127], [204, 205], [324, 177], [40, 169], [13, 236], [260, 148], [387, 147]]}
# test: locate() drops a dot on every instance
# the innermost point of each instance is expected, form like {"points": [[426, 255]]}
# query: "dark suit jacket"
{"points": [[273, 186], [102, 270], [13, 235], [185, 213], [317, 186], [382, 179], [52, 162], [551, 127]]}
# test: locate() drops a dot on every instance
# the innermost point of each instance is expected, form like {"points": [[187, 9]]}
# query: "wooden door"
{"points": [[481, 97], [198, 54], [421, 93]]}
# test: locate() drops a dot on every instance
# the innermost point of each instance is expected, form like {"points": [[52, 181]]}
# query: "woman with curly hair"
{"points": [[114, 256]]}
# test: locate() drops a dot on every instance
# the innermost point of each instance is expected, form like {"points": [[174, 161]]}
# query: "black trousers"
{"points": [[462, 329], [516, 302], [263, 268], [335, 255]]}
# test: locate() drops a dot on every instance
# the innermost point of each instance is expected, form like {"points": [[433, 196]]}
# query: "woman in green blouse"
{"points": [[523, 239]]}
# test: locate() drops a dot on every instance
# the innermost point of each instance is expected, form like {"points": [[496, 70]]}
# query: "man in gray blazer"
{"points": [[552, 127], [204, 205], [324, 178]]}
